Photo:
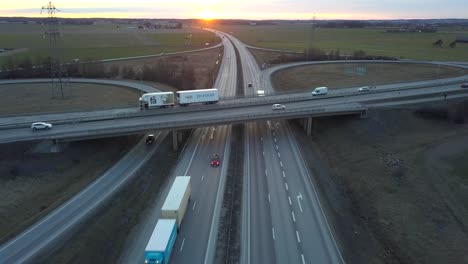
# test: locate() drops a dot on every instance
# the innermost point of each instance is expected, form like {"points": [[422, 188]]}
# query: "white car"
{"points": [[40, 125], [363, 89], [278, 107]]}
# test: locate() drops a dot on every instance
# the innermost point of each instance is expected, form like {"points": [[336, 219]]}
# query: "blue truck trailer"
{"points": [[159, 247]]}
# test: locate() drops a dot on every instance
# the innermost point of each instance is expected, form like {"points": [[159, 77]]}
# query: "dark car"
{"points": [[149, 139], [464, 85], [215, 161], [250, 85]]}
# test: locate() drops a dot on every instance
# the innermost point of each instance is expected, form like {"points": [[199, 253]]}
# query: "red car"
{"points": [[464, 85], [215, 161]]}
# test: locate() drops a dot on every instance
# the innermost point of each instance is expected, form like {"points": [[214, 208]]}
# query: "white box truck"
{"points": [[162, 240], [177, 200], [151, 100], [206, 96]]}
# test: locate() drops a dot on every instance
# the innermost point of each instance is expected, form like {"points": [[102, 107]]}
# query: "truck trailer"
{"points": [[177, 199], [162, 240], [206, 96], [160, 100]]}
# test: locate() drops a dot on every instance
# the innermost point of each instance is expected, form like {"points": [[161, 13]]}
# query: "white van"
{"points": [[320, 91], [260, 93]]}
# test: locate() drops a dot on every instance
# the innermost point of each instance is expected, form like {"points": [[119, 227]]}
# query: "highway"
{"points": [[197, 237], [284, 222]]}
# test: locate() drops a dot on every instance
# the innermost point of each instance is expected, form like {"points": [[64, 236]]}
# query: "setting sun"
{"points": [[207, 15]]}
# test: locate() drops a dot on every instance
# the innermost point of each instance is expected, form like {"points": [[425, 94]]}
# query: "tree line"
{"points": [[179, 76]]}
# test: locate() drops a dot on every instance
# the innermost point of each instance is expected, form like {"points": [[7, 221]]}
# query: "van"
{"points": [[320, 91], [260, 93]]}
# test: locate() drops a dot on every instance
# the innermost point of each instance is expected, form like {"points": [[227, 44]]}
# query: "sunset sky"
{"points": [[245, 9]]}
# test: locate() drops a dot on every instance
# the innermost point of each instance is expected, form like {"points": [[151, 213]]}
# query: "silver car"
{"points": [[40, 125], [278, 107], [363, 89]]}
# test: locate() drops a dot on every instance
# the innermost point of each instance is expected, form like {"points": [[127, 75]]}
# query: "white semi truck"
{"points": [[162, 240], [184, 98], [160, 100], [177, 199], [206, 96]]}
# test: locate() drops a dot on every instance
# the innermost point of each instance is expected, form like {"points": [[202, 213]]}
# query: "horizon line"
{"points": [[253, 19]]}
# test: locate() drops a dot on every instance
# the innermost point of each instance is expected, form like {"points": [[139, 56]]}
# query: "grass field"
{"points": [[91, 42], [373, 41], [343, 75], [37, 98], [400, 184]]}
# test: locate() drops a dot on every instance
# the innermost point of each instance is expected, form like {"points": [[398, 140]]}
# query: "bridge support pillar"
{"points": [[308, 126], [175, 142]]}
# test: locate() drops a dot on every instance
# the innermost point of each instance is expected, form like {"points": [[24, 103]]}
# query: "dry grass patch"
{"points": [[42, 98], [341, 75]]}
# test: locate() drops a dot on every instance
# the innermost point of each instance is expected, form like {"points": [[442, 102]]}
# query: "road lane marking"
{"points": [[263, 152], [284, 175], [269, 200], [274, 139], [202, 177], [299, 198], [289, 198], [182, 246], [298, 237], [274, 134], [293, 216], [266, 172], [281, 164], [279, 155], [273, 231], [261, 138], [286, 185], [303, 259], [277, 147], [194, 204]]}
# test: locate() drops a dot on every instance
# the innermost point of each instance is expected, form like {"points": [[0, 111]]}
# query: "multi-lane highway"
{"points": [[197, 237], [283, 219]]}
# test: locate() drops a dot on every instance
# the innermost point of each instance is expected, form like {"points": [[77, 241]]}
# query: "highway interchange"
{"points": [[282, 218]]}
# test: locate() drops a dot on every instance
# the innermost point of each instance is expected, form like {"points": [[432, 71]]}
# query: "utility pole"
{"points": [[310, 38], [53, 35]]}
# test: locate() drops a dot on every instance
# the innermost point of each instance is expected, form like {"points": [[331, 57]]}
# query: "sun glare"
{"points": [[207, 14]]}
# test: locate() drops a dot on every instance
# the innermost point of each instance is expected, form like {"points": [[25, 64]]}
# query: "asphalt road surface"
{"points": [[196, 240], [285, 222]]}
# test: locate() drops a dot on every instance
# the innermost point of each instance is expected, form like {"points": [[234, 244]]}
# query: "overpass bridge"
{"points": [[117, 122]]}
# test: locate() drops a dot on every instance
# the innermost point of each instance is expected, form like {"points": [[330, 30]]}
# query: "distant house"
{"points": [[462, 39], [253, 23]]}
